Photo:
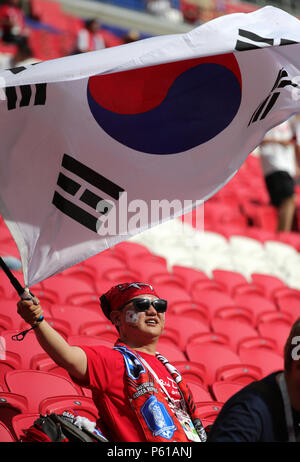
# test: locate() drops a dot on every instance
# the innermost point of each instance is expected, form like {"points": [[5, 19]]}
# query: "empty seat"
{"points": [[289, 304], [37, 385], [171, 352], [191, 371], [256, 303], [277, 328], [168, 278], [67, 286], [213, 299], [240, 373], [199, 393], [77, 340], [11, 404], [210, 337], [268, 283], [185, 327], [212, 356], [235, 331], [105, 330], [268, 361], [191, 309], [172, 293], [208, 411], [236, 313], [5, 435], [230, 279], [9, 362], [224, 390], [256, 342], [25, 349], [190, 275], [77, 316]]}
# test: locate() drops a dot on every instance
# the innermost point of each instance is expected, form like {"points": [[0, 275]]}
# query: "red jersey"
{"points": [[106, 380]]}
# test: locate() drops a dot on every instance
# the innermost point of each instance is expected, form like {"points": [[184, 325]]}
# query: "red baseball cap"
{"points": [[120, 294]]}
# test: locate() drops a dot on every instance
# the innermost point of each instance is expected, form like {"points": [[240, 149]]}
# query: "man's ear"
{"points": [[115, 317]]}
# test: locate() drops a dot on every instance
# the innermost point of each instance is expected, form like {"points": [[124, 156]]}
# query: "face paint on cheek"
{"points": [[132, 317]]}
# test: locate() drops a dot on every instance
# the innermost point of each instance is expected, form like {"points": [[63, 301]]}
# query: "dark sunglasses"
{"points": [[143, 304]]}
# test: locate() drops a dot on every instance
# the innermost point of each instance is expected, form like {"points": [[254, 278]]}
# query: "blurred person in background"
{"points": [[163, 9], [266, 410], [140, 396], [131, 36], [23, 56], [12, 21], [279, 164], [90, 38]]}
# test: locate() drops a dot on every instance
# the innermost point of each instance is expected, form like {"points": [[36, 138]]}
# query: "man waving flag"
{"points": [[91, 145]]}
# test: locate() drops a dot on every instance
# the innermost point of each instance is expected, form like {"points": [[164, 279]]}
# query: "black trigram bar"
{"points": [[91, 199], [71, 186], [260, 41], [26, 95], [76, 213], [92, 177], [282, 81], [68, 185]]}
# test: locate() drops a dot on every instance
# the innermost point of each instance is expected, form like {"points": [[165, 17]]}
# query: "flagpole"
{"points": [[20, 290], [14, 281]]}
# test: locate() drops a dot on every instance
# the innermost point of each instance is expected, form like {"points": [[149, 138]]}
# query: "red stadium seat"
{"points": [[209, 284], [77, 316], [5, 435], [256, 342], [277, 326], [67, 286], [209, 337], [236, 313], [256, 303], [119, 276], [25, 349], [224, 390], [77, 340], [11, 404], [267, 360], [209, 410], [168, 278], [83, 272], [268, 283], [289, 304], [190, 309], [185, 326], [240, 373], [83, 405], [248, 288], [199, 393], [213, 299], [169, 335], [190, 275], [172, 293], [11, 362], [105, 330], [86, 300], [171, 352], [235, 331], [191, 371], [127, 250], [104, 261], [212, 356], [22, 422], [147, 265], [229, 279], [37, 385]]}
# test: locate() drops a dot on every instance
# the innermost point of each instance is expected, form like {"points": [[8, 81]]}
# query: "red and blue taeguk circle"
{"points": [[168, 108]]}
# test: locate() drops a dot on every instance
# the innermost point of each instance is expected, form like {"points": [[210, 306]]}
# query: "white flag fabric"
{"points": [[99, 146]]}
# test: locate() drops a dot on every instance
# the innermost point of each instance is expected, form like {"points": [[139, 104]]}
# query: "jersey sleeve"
{"points": [[99, 363]]}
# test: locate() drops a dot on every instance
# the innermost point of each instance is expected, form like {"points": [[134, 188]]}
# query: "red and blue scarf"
{"points": [[151, 405]]}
